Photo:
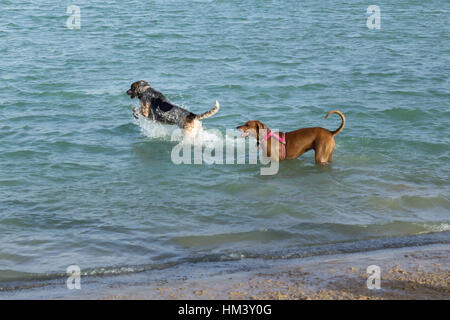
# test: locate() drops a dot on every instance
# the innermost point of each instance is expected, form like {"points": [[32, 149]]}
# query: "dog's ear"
{"points": [[143, 84]]}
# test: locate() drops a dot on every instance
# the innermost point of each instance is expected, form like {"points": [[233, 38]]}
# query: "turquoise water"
{"points": [[82, 182]]}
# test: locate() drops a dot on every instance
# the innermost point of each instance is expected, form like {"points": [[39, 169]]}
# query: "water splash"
{"points": [[206, 137]]}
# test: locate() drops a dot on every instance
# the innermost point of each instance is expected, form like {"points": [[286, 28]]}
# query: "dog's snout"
{"points": [[130, 93]]}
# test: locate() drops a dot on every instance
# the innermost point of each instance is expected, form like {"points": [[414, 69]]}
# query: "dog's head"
{"points": [[252, 128], [136, 88]]}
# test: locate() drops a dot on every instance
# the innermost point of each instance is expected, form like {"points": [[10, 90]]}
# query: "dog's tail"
{"points": [[209, 113], [334, 133]]}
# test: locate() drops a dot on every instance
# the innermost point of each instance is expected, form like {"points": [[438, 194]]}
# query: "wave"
{"points": [[417, 202], [409, 114], [305, 234]]}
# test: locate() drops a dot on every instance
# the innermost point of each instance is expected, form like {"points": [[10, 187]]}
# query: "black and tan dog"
{"points": [[291, 145], [154, 105]]}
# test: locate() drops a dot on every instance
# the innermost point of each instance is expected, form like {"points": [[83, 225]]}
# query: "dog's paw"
{"points": [[135, 114]]}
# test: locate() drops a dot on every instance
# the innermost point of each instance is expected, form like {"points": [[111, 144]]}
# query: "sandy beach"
{"points": [[406, 273]]}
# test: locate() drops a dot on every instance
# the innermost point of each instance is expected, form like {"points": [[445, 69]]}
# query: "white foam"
{"points": [[157, 130], [437, 228], [211, 138]]}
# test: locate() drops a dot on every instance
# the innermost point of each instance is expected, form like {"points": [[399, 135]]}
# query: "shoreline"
{"points": [[406, 273], [420, 272]]}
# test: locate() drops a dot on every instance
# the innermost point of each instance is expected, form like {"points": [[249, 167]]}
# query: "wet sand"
{"points": [[407, 273]]}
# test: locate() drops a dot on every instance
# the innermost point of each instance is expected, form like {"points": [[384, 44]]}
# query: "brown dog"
{"points": [[291, 145]]}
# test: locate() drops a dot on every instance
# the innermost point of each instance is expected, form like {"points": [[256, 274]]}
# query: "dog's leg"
{"points": [[324, 153], [321, 161], [321, 156], [330, 158], [330, 149], [192, 127], [197, 127], [135, 113], [145, 109]]}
